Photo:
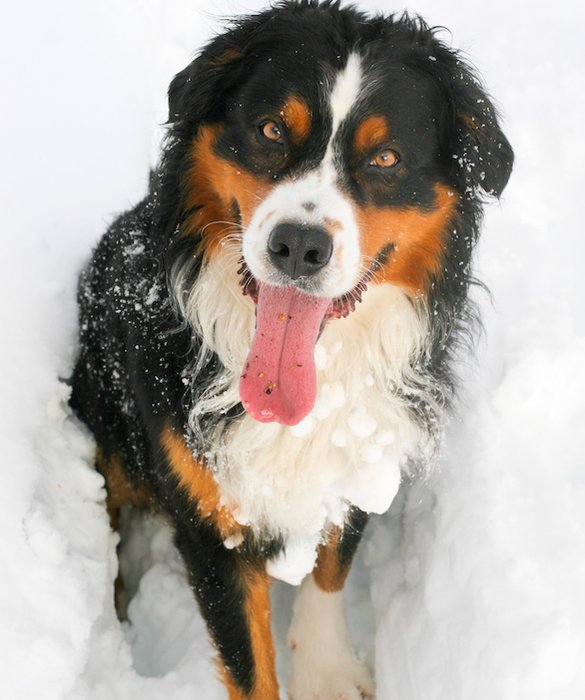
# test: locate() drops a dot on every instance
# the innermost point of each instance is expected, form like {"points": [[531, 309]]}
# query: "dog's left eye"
{"points": [[385, 159], [271, 131]]}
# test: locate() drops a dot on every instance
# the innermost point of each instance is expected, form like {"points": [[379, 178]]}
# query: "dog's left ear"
{"points": [[474, 147], [481, 150]]}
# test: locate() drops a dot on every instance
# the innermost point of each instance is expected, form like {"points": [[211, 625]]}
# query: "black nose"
{"points": [[299, 251]]}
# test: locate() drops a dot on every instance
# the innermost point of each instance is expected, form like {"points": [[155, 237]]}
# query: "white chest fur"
{"points": [[348, 451]]}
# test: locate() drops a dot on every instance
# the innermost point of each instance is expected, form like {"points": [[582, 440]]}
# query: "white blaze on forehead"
{"points": [[345, 91], [287, 202]]}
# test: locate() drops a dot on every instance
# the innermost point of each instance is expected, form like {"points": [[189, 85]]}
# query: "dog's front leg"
{"points": [[230, 585], [324, 666], [232, 590]]}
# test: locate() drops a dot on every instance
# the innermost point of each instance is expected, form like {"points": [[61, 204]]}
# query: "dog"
{"points": [[267, 339]]}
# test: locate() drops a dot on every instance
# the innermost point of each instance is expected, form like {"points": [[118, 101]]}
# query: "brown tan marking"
{"points": [[264, 221], [212, 184], [332, 225], [372, 132], [474, 127], [228, 56], [297, 118], [119, 490], [329, 574], [199, 483], [258, 612], [257, 609], [234, 693], [418, 237]]}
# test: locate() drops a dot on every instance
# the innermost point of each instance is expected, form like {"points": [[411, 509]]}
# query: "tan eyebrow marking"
{"points": [[372, 132], [297, 118]]}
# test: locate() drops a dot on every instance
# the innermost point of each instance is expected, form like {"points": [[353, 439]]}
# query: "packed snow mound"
{"points": [[477, 576]]}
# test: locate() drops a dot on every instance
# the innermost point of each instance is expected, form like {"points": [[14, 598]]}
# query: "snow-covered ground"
{"points": [[472, 587]]}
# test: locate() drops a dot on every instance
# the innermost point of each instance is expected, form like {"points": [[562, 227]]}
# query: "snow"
{"points": [[472, 586], [299, 559], [361, 423]]}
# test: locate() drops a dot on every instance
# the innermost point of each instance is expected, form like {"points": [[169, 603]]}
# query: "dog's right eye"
{"points": [[271, 131]]}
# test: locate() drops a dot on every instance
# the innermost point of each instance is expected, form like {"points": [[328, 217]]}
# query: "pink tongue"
{"points": [[279, 380]]}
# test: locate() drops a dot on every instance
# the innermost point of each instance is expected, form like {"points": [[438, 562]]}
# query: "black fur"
{"points": [[137, 355]]}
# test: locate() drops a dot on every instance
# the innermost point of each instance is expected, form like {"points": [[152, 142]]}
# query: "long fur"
{"points": [[168, 300]]}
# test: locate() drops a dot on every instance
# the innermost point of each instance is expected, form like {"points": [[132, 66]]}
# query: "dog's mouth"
{"points": [[279, 379], [339, 307]]}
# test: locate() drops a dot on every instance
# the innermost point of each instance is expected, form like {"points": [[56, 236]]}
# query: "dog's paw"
{"points": [[346, 679], [324, 666]]}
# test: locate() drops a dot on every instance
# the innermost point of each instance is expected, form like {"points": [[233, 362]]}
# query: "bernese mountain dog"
{"points": [[267, 339]]}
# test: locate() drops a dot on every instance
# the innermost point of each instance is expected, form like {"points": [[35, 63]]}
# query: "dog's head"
{"points": [[344, 150]]}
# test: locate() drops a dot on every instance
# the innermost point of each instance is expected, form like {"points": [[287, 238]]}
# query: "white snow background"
{"points": [[473, 586]]}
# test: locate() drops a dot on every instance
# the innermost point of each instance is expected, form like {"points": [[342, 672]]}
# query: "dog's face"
{"points": [[348, 179], [343, 151]]}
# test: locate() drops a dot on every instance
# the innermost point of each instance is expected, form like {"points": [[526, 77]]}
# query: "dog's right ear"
{"points": [[197, 89], [196, 93]]}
